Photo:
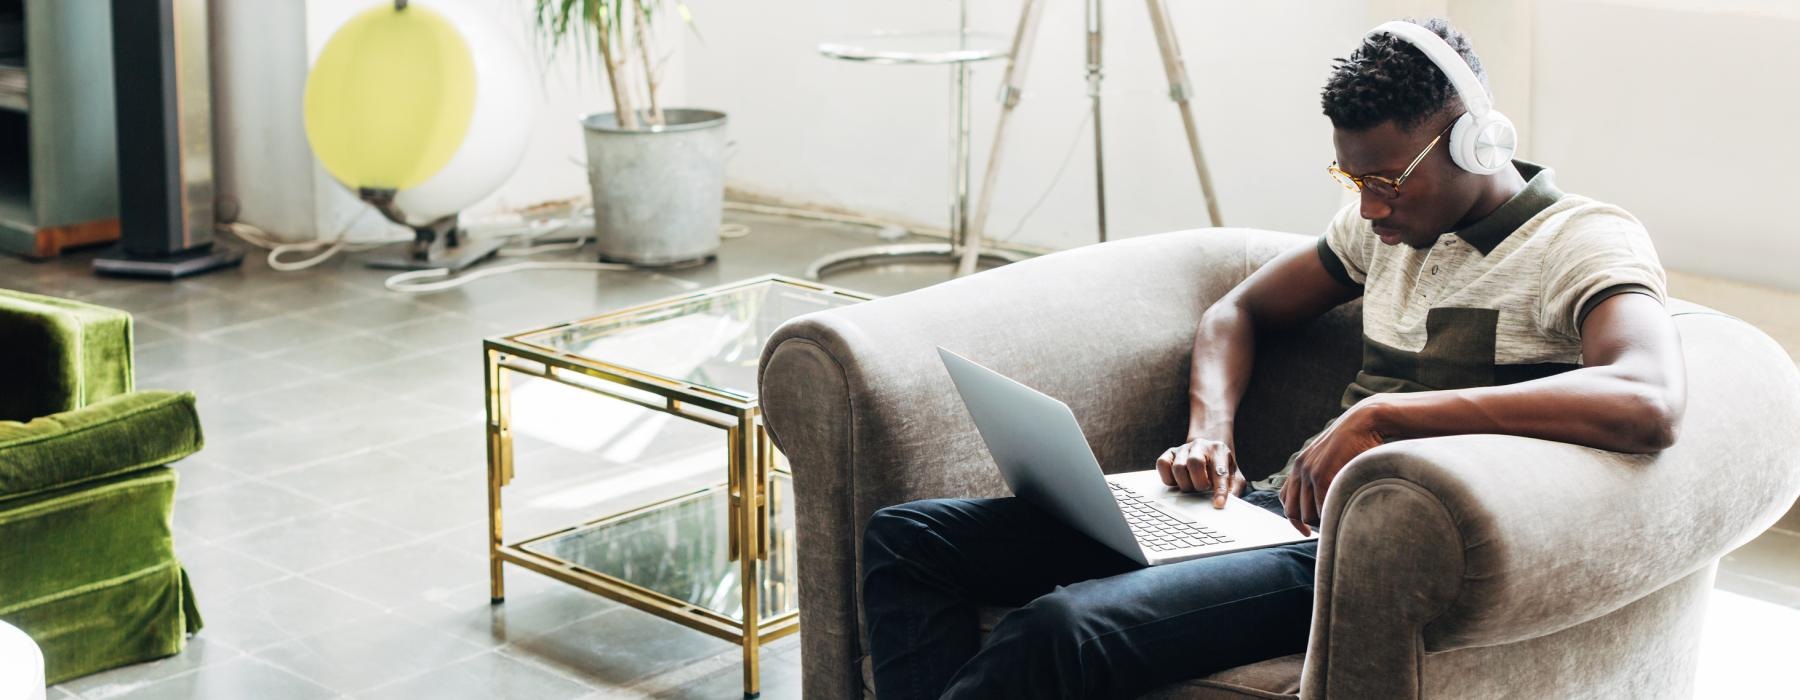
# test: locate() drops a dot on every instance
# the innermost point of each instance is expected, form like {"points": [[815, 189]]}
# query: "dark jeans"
{"points": [[1093, 623]]}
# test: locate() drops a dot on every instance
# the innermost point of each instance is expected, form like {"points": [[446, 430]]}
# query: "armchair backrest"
{"points": [[1296, 387], [59, 355]]}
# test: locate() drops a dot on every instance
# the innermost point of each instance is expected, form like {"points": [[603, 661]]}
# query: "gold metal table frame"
{"points": [[751, 470]]}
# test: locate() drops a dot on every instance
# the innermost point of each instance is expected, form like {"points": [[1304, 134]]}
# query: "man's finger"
{"points": [[1286, 494], [1309, 508], [1179, 469], [1221, 474], [1296, 515], [1196, 469], [1163, 464]]}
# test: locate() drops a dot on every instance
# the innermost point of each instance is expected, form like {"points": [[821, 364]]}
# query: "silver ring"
{"points": [[1220, 469]]}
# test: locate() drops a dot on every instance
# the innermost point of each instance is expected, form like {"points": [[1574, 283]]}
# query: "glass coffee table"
{"points": [[683, 556]]}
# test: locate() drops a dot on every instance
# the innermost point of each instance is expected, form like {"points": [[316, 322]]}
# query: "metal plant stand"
{"points": [[964, 48], [958, 49]]}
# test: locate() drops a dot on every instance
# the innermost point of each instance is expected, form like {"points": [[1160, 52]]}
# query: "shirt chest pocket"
{"points": [[1459, 348]]}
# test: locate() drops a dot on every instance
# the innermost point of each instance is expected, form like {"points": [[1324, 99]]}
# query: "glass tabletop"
{"points": [[919, 47], [713, 340], [680, 550]]}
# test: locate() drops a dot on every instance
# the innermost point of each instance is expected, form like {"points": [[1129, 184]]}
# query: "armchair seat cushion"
{"points": [[1274, 679], [120, 434]]}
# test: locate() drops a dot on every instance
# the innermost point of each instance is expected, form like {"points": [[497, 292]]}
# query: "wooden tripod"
{"points": [[1019, 58]]}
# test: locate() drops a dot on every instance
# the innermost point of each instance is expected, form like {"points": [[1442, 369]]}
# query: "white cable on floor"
{"points": [[405, 281], [409, 282], [413, 282], [340, 243], [260, 238]]}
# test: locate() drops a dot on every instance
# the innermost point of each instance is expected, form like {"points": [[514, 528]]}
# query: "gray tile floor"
{"points": [[334, 523]]}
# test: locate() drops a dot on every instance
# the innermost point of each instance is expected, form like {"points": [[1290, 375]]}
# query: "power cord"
{"points": [[409, 282], [261, 239], [1054, 180], [439, 279]]}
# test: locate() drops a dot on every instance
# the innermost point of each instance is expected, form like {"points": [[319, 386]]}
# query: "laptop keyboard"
{"points": [[1158, 531]]}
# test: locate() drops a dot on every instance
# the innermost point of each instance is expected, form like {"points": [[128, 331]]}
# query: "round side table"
{"points": [[21, 666], [956, 49]]}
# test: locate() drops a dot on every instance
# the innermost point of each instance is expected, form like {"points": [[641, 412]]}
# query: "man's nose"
{"points": [[1375, 207]]}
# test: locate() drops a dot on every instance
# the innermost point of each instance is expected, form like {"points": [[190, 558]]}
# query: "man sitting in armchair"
{"points": [[1492, 303]]}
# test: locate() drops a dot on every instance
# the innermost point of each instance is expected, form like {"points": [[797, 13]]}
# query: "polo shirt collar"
{"points": [[1540, 192]]}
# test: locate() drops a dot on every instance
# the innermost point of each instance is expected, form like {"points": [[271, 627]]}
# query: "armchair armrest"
{"points": [[1480, 540], [60, 354], [115, 435]]}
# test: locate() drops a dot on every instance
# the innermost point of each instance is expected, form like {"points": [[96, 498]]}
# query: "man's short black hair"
{"points": [[1389, 79]]}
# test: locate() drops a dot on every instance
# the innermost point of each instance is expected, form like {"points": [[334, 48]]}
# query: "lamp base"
{"points": [[118, 263], [439, 245], [453, 258]]}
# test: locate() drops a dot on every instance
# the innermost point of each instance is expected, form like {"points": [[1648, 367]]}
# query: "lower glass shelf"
{"points": [[680, 548]]}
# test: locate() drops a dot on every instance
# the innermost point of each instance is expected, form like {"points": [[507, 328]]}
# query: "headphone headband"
{"points": [[1462, 78]]}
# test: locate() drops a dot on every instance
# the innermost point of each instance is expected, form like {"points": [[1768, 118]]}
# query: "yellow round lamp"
{"points": [[390, 98], [429, 106]]}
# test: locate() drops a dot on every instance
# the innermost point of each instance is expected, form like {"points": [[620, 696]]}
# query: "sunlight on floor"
{"points": [[1748, 647]]}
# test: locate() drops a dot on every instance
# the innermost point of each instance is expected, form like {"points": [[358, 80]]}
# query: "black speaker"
{"points": [[163, 101]]}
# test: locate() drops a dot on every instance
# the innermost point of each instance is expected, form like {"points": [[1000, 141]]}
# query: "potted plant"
{"points": [[658, 175]]}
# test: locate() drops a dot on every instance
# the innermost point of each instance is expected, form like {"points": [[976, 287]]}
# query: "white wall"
{"points": [[1684, 112], [261, 55], [875, 138], [1679, 110]]}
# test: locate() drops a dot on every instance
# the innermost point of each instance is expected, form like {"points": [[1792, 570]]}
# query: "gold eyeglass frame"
{"points": [[1354, 183]]}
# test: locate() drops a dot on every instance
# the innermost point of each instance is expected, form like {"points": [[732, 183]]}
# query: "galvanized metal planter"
{"points": [[658, 190]]}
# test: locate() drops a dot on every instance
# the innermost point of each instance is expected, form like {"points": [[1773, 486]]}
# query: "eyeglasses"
{"points": [[1383, 186]]}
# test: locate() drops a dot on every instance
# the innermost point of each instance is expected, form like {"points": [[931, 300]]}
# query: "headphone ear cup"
{"points": [[1498, 141], [1483, 146]]}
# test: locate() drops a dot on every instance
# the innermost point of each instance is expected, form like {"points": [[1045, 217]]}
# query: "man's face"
{"points": [[1432, 199]]}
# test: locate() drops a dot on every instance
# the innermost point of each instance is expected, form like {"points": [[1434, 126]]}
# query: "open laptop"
{"points": [[1045, 459]]}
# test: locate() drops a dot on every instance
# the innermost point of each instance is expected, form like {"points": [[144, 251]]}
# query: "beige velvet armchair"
{"points": [[1478, 566]]}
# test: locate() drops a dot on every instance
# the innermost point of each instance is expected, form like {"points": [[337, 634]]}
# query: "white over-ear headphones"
{"points": [[1483, 140]]}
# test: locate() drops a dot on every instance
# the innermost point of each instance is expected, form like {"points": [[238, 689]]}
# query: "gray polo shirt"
{"points": [[1499, 302]]}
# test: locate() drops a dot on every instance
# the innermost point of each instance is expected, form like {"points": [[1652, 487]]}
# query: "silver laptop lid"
{"points": [[1042, 453]]}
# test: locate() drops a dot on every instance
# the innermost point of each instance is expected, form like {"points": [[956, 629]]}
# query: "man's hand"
{"points": [[1303, 496], [1203, 464]]}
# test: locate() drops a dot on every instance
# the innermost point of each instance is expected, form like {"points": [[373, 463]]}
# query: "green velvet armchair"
{"points": [[87, 560]]}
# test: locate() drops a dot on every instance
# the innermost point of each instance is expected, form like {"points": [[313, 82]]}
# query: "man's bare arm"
{"points": [[1289, 290], [1628, 397]]}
